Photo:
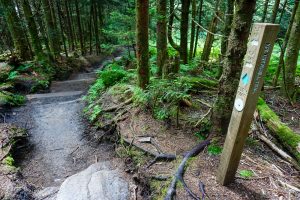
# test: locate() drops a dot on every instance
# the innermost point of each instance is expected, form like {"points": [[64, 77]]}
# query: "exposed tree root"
{"points": [[117, 107], [178, 176]]}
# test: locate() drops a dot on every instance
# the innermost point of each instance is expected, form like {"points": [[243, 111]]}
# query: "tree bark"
{"points": [[170, 27], [70, 29], [79, 28], [210, 37], [95, 19], [161, 35], [283, 48], [292, 52], [16, 29], [184, 26], [61, 27], [53, 35], [142, 36], [236, 50], [34, 36], [274, 11], [264, 16], [226, 32], [198, 28], [193, 27]]}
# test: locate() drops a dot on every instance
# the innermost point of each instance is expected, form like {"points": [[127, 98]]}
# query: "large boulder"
{"points": [[98, 181]]}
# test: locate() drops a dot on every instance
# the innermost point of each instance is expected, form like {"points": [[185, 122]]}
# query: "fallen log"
{"points": [[200, 83], [287, 137], [178, 176], [275, 148]]}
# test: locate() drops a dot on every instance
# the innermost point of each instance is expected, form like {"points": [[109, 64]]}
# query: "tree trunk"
{"points": [[34, 36], [198, 28], [96, 27], [161, 35], [292, 52], [274, 11], [170, 27], [70, 29], [265, 12], [282, 11], [41, 26], [53, 35], [61, 28], [210, 37], [79, 27], [236, 50], [142, 36], [226, 32], [283, 48], [193, 29], [16, 29], [184, 26]]}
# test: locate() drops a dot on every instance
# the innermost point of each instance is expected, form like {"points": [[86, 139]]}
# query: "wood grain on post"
{"points": [[260, 46]]}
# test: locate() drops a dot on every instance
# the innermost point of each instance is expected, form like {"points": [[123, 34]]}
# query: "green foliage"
{"points": [[165, 96], [246, 173], [11, 99], [200, 136], [95, 112], [214, 150], [8, 161], [113, 74]]}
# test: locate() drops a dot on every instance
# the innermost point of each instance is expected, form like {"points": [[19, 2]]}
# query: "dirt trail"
{"points": [[58, 146]]}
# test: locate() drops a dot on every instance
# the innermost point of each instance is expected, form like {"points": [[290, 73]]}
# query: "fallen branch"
{"points": [[178, 176], [275, 148], [204, 116]]}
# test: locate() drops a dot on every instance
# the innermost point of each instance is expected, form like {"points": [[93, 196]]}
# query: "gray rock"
{"points": [[48, 193], [98, 182]]}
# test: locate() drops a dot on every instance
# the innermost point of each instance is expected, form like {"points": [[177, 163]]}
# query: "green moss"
{"points": [[8, 161], [287, 137], [159, 188]]}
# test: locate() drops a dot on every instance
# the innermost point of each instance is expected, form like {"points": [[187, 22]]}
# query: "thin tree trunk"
{"points": [[34, 36], [53, 35], [79, 27], [274, 11], [61, 28], [198, 28], [161, 35], [193, 27], [91, 28], [170, 27], [283, 48], [142, 36], [236, 50], [265, 12], [210, 37], [16, 29], [292, 52], [282, 11], [184, 26], [226, 32], [96, 28], [70, 29]]}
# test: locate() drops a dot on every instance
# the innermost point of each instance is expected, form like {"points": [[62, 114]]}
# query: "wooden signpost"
{"points": [[260, 46]]}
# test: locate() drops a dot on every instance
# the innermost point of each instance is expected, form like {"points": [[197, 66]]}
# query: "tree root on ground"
{"points": [[117, 107], [178, 176]]}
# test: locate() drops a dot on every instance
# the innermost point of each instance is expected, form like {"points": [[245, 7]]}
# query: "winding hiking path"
{"points": [[59, 144]]}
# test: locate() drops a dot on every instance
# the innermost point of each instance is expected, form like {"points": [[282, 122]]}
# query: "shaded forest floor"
{"points": [[272, 177]]}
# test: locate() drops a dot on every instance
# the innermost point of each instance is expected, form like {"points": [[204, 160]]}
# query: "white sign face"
{"points": [[239, 104]]}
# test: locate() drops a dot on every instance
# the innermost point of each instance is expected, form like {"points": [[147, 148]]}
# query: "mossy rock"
{"points": [[286, 136]]}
